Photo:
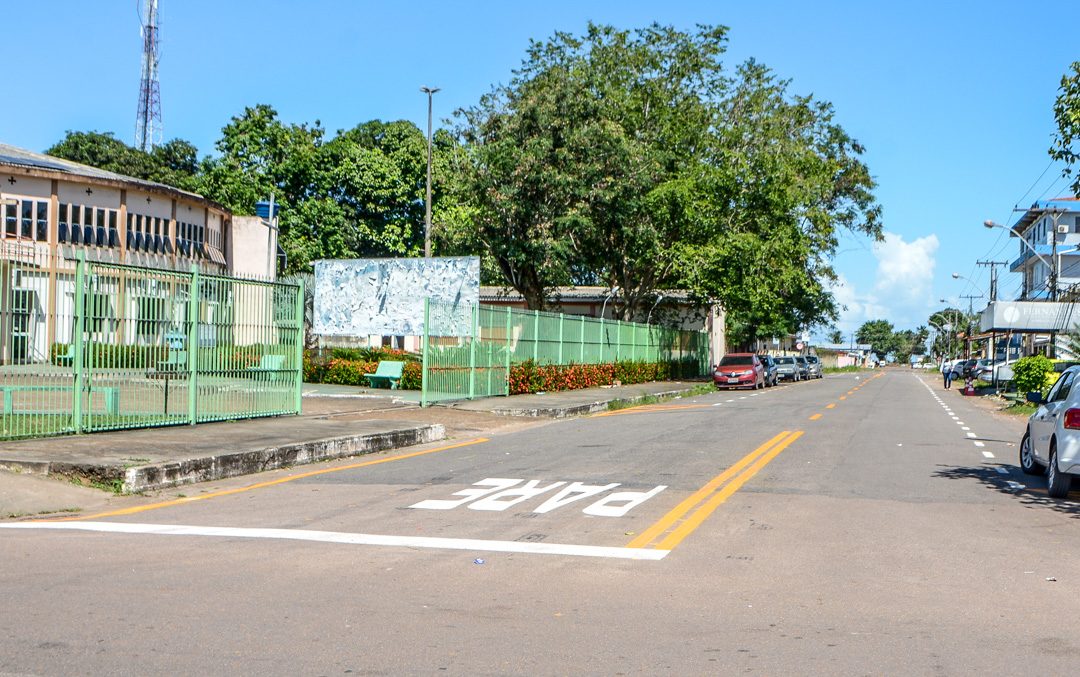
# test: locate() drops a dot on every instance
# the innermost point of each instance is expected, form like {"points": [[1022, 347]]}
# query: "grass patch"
{"points": [[113, 486], [1023, 409], [49, 512], [850, 369], [700, 389]]}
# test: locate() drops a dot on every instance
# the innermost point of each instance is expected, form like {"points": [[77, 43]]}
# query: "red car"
{"points": [[739, 370]]}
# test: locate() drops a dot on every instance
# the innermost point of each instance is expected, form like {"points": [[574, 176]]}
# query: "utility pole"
{"points": [[967, 321], [993, 275], [430, 91]]}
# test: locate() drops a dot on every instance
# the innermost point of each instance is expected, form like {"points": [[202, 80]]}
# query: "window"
{"points": [[1062, 387], [1076, 224], [27, 218], [62, 224], [11, 226], [43, 221]]}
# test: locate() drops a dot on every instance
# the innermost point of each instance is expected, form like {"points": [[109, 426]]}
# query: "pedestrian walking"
{"points": [[946, 373]]}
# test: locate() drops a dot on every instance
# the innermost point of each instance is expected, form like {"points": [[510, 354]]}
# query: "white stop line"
{"points": [[351, 539]]}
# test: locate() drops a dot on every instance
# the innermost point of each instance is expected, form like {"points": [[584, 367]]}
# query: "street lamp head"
{"points": [[430, 90], [990, 224], [956, 276]]}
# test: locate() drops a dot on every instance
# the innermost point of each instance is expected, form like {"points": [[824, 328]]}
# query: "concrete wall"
{"points": [[247, 247]]}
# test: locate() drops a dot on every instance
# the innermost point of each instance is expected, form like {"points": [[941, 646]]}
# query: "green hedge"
{"points": [[223, 358], [527, 377]]}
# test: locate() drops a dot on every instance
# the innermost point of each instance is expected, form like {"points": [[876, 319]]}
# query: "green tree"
{"points": [[1067, 115], [630, 159], [174, 164], [835, 336], [879, 334]]}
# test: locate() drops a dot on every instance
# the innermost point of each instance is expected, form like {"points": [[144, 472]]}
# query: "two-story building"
{"points": [[54, 212], [1050, 228]]}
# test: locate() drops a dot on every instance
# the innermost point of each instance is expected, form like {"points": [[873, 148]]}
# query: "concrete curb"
{"points": [[584, 408], [154, 476]]}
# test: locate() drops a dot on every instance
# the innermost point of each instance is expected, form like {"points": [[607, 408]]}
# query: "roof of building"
{"points": [[571, 294], [844, 347], [1040, 207], [10, 156]]}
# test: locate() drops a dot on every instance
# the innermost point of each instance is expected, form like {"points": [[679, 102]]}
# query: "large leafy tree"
{"points": [[1067, 115], [632, 160], [879, 334]]}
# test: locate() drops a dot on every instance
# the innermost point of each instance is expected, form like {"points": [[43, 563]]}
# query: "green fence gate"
{"points": [[89, 346], [468, 350]]}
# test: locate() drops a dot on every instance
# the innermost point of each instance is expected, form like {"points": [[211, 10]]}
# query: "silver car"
{"points": [[815, 367], [1052, 441], [787, 368]]}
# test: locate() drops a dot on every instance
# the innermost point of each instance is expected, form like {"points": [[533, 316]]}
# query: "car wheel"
{"points": [[1028, 464], [1058, 483]]}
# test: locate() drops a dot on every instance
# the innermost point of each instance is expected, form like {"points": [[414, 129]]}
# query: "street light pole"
{"points": [[427, 203]]}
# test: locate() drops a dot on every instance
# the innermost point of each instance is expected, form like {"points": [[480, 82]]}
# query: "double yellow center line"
{"points": [[678, 524]]}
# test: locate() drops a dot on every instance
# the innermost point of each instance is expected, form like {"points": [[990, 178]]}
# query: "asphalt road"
{"points": [[840, 527]]}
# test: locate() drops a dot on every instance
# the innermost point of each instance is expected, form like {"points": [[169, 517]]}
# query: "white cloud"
{"points": [[905, 270], [902, 291]]}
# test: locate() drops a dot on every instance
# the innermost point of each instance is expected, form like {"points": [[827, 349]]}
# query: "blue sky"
{"points": [[952, 100]]}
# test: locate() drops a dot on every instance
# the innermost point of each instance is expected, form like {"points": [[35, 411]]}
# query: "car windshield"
{"points": [[812, 359], [785, 360], [736, 361]]}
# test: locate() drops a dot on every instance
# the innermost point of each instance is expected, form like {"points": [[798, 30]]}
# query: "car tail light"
{"points": [[1072, 419]]}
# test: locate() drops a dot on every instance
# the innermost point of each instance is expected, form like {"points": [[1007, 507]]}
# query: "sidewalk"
{"points": [[338, 421]]}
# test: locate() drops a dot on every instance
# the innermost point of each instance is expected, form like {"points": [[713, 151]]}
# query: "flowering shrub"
{"points": [[527, 377], [348, 372], [412, 375]]}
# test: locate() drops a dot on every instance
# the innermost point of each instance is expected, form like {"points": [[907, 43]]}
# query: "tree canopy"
{"points": [[1067, 115], [633, 159], [174, 163]]}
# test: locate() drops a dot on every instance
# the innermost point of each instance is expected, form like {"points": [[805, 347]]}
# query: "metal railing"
{"points": [[469, 349], [91, 346]]}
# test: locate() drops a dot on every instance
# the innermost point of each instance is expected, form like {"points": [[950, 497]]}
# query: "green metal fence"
{"points": [[90, 346], [469, 349]]}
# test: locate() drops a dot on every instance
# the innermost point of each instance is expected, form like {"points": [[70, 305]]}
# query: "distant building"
{"points": [[55, 212], [845, 355], [1051, 228]]}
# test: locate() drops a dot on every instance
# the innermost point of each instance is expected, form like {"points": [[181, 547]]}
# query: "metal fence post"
{"points": [[536, 336], [581, 320], [193, 346], [299, 395], [424, 354], [603, 336], [562, 319], [508, 362], [472, 350], [80, 323]]}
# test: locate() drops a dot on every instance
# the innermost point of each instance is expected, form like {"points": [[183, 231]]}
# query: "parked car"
{"points": [[739, 370], [960, 367], [769, 366], [787, 369], [1051, 443], [804, 367], [816, 370]]}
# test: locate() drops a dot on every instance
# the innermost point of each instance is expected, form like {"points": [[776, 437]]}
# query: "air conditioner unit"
{"points": [[1062, 228]]}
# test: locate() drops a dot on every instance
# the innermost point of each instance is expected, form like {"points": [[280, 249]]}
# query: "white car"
{"points": [[1052, 441]]}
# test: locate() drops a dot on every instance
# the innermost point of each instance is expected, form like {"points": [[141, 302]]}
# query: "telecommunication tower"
{"points": [[148, 121]]}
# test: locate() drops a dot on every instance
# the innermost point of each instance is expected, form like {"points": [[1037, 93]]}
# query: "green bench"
{"points": [[177, 361], [389, 373], [111, 393], [271, 363]]}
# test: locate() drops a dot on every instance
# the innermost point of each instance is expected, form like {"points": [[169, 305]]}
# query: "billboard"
{"points": [[385, 297], [1030, 316]]}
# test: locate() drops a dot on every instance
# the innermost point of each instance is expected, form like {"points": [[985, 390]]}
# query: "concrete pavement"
{"points": [[338, 421]]}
